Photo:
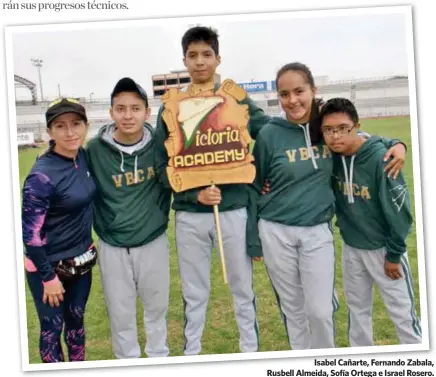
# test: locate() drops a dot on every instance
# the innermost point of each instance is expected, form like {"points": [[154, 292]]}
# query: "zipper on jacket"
{"points": [[83, 179], [128, 250]]}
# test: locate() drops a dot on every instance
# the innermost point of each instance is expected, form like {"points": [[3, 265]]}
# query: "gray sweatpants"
{"points": [[195, 238], [125, 274], [301, 265], [363, 268]]}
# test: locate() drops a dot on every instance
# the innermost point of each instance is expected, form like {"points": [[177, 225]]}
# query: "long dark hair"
{"points": [[314, 122]]}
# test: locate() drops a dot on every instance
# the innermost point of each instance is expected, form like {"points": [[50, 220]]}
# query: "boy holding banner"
{"points": [[208, 109]]}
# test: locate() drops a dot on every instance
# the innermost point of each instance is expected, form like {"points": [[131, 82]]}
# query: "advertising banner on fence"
{"points": [[25, 138], [254, 87]]}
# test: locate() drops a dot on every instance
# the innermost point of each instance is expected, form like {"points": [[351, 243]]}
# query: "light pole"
{"points": [[38, 64]]}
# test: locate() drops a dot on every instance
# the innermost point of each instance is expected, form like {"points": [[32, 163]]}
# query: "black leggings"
{"points": [[70, 313]]}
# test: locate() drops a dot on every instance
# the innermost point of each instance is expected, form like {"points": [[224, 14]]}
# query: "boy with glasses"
{"points": [[374, 218]]}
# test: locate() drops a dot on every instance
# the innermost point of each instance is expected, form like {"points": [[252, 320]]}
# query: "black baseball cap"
{"points": [[127, 84], [63, 106]]}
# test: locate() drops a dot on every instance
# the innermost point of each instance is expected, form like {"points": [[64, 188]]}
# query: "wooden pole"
{"points": [[220, 240]]}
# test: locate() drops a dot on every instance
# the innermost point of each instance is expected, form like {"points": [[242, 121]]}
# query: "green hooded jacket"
{"points": [[300, 181], [373, 211], [132, 206]]}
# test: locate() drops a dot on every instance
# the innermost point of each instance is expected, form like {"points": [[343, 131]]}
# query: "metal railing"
{"points": [[367, 108], [361, 92]]}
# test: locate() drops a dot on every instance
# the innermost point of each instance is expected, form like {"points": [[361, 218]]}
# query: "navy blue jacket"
{"points": [[57, 210]]}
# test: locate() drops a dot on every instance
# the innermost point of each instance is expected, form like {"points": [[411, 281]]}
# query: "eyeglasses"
{"points": [[341, 130], [59, 100]]}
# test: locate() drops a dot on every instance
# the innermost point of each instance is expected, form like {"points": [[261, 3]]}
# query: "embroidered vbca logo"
{"points": [[399, 194], [128, 178], [303, 154]]}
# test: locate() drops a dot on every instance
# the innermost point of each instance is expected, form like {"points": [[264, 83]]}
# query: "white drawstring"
{"points": [[309, 144], [122, 162], [349, 178], [136, 165], [136, 169]]}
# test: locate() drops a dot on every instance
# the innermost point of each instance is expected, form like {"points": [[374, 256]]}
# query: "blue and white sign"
{"points": [[273, 85], [253, 87]]}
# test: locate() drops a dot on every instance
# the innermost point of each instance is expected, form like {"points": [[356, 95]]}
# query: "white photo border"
{"points": [[10, 31]]}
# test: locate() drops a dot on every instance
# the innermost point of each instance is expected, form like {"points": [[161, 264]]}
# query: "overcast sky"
{"points": [[92, 60]]}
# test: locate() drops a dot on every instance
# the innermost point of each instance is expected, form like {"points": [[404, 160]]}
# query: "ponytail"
{"points": [[315, 121]]}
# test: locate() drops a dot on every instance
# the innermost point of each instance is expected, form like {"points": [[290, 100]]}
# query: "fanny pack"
{"points": [[73, 268]]}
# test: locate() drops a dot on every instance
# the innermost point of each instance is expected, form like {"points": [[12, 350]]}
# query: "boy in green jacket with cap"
{"points": [[130, 219], [374, 218]]}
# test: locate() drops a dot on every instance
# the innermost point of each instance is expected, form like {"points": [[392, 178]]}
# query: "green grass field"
{"points": [[221, 333]]}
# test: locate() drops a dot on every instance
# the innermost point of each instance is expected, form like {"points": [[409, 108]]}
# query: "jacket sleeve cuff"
{"points": [[393, 257], [39, 262], [254, 251], [192, 196], [405, 146], [392, 142]]}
